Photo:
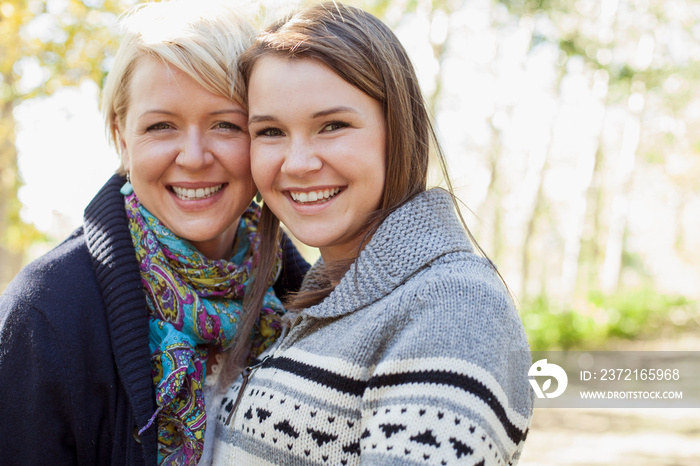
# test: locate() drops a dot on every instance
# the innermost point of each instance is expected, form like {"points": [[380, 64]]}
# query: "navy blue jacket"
{"points": [[75, 374]]}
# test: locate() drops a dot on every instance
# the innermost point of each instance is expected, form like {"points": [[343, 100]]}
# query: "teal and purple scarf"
{"points": [[194, 305]]}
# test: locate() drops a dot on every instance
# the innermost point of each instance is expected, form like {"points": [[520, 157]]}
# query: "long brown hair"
{"points": [[364, 52]]}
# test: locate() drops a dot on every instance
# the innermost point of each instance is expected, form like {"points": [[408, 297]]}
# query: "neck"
{"points": [[218, 248]]}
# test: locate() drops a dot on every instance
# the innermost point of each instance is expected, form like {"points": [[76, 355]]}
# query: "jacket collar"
{"points": [[114, 261], [410, 239]]}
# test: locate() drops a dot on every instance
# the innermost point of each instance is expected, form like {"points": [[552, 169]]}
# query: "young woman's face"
{"points": [[317, 152], [188, 153]]}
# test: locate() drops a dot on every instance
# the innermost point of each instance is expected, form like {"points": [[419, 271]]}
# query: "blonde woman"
{"points": [[105, 341]]}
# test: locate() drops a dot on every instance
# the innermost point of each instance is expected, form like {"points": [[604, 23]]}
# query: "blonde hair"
{"points": [[201, 38]]}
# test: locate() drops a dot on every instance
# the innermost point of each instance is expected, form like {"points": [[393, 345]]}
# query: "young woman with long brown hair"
{"points": [[408, 348]]}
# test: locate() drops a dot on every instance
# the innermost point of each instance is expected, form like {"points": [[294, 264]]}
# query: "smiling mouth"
{"points": [[187, 194], [314, 197]]}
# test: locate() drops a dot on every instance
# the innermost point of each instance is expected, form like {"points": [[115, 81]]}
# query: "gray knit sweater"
{"points": [[417, 357]]}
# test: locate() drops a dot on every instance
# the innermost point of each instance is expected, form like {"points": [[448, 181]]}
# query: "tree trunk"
{"points": [[614, 246], [491, 207], [534, 184], [586, 170], [534, 179]]}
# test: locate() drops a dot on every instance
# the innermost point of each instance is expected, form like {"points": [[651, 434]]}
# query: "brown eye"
{"points": [[269, 132], [333, 126]]}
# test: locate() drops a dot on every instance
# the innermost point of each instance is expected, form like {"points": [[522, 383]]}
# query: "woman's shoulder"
{"points": [[456, 337], [60, 279], [52, 308], [461, 279], [459, 297], [69, 253], [70, 265]]}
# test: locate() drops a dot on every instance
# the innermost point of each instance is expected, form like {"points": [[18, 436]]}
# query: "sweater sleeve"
{"points": [[451, 384], [294, 267], [34, 400]]}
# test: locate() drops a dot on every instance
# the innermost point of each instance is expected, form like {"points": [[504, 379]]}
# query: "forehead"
{"points": [[148, 70], [292, 71], [155, 82], [282, 82]]}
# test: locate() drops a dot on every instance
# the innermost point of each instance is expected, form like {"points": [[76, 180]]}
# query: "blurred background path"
{"points": [[587, 437], [613, 437]]}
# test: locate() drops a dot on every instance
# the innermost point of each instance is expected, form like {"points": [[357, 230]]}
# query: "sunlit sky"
{"points": [[64, 157]]}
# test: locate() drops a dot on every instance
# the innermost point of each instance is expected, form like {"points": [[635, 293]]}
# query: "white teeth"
{"points": [[196, 194], [314, 196]]}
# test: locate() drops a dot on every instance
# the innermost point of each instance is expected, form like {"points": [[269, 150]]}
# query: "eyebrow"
{"points": [[218, 112], [260, 118], [320, 114], [333, 110]]}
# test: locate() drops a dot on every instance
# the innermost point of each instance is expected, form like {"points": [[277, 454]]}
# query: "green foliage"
{"points": [[529, 7], [17, 237], [554, 327], [654, 157], [626, 315]]}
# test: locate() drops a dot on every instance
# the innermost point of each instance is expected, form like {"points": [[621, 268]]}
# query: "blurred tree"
{"points": [[628, 52], [44, 45], [626, 67]]}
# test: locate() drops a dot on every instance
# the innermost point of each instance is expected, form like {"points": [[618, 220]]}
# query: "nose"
{"points": [[301, 159], [194, 151]]}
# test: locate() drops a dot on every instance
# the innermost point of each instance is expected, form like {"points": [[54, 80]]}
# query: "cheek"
{"points": [[144, 160], [376, 191], [262, 167], [376, 182], [237, 158], [146, 152]]}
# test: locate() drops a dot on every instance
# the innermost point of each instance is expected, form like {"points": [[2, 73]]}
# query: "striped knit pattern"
{"points": [[417, 357]]}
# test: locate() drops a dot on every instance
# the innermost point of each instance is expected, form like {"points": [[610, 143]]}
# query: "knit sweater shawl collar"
{"points": [[117, 272], [416, 234]]}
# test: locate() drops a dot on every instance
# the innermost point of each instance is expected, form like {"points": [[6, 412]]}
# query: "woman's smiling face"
{"points": [[188, 154], [318, 152]]}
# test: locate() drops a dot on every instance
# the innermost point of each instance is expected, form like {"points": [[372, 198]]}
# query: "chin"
{"points": [[310, 242], [196, 235]]}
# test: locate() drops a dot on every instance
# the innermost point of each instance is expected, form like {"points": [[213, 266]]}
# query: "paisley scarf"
{"points": [[194, 305]]}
